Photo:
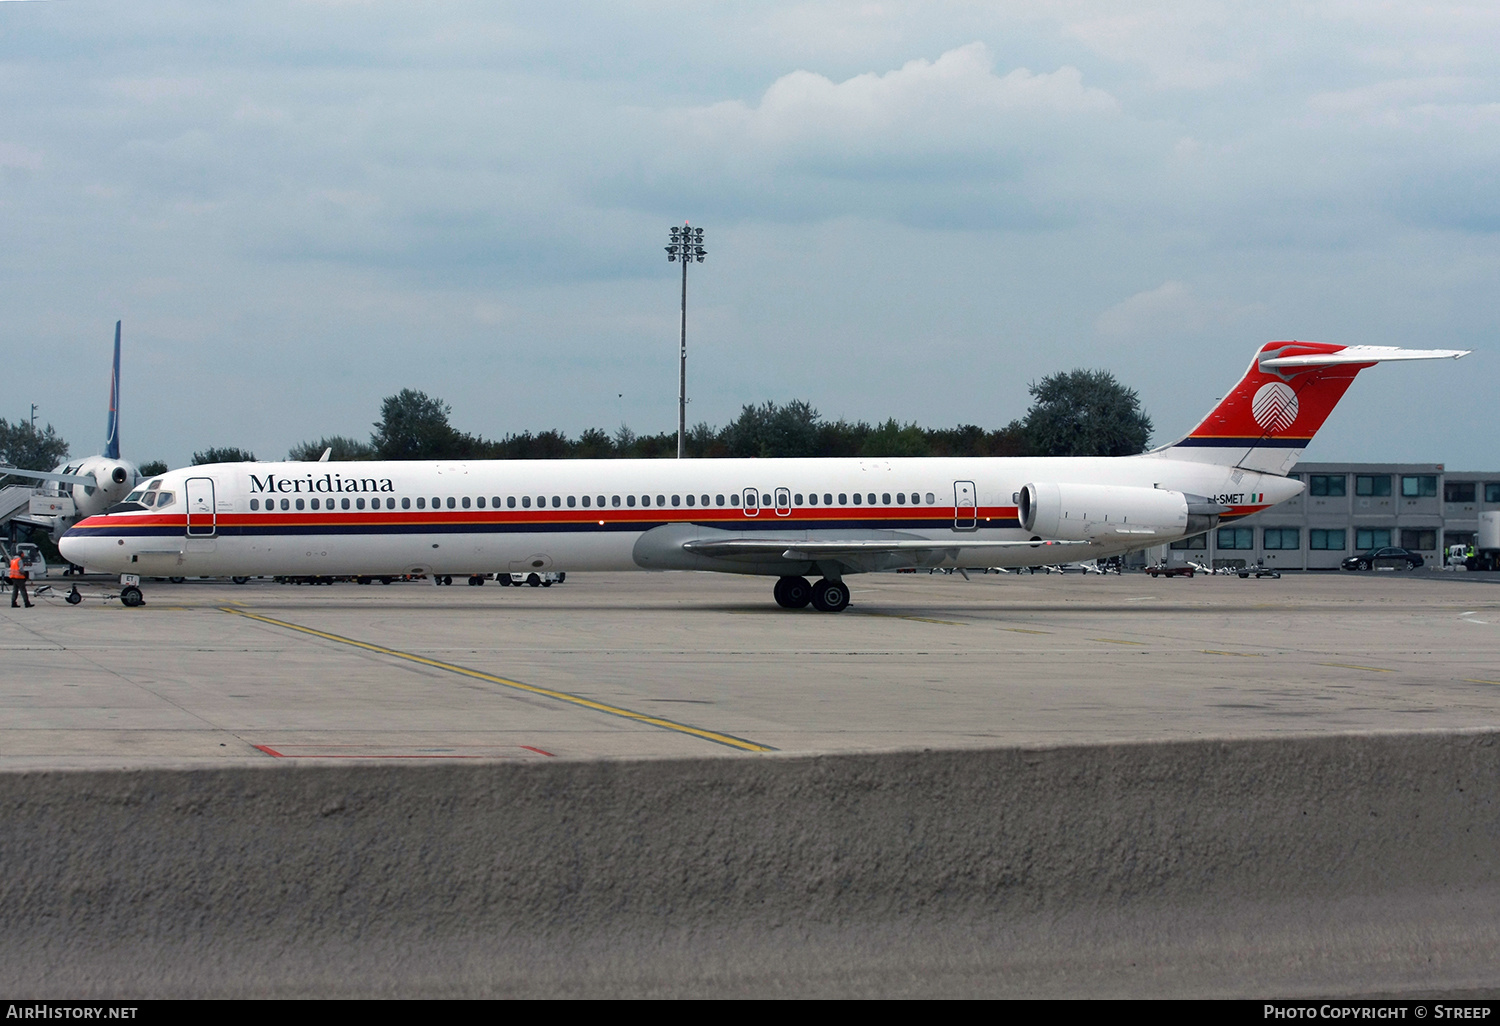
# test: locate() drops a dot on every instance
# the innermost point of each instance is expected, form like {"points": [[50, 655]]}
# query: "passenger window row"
{"points": [[571, 501]]}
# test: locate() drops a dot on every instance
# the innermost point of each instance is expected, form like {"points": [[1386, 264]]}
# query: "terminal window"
{"points": [[1371, 538], [1282, 538], [1326, 484], [1197, 541], [1372, 484], [1458, 491], [1419, 486], [1330, 539], [1236, 538], [1418, 539], [1492, 491]]}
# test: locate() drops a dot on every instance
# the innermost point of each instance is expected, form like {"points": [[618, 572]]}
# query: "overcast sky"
{"points": [[912, 210]]}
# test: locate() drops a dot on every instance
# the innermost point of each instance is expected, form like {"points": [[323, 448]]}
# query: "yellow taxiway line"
{"points": [[562, 696]]}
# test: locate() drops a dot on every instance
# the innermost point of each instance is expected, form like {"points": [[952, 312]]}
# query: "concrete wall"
{"points": [[1334, 865]]}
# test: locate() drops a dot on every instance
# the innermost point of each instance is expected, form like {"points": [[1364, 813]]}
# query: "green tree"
{"points": [[1085, 413], [23, 446], [892, 439], [769, 430], [414, 426], [594, 444], [151, 468], [223, 454], [344, 449]]}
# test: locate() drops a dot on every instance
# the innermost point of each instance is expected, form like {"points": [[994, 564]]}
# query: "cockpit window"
{"points": [[165, 499], [154, 485], [134, 496]]}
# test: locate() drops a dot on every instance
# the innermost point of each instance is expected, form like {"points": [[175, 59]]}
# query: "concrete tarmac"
{"points": [[699, 665]]}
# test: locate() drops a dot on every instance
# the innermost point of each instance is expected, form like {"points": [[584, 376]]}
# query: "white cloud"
{"points": [[921, 113], [1172, 308]]}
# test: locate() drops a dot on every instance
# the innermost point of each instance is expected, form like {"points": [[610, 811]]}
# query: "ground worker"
{"points": [[18, 582]]}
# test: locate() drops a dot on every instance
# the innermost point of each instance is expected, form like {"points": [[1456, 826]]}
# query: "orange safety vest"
{"points": [[16, 573]]}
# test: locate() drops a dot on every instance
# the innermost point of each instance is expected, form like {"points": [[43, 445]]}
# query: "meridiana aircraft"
{"points": [[95, 483], [782, 518]]}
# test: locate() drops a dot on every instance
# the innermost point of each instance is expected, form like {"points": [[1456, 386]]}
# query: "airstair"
{"points": [[15, 501]]}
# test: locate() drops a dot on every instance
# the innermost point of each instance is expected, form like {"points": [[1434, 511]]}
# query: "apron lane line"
{"points": [[729, 740]]}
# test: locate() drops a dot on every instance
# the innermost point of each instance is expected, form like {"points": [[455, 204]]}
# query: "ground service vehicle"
{"points": [[1486, 543]]}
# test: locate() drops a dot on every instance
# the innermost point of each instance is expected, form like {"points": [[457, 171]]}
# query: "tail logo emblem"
{"points": [[1274, 406]]}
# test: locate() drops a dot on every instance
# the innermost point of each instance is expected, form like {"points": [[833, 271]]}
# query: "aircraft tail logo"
{"points": [[1274, 406]]}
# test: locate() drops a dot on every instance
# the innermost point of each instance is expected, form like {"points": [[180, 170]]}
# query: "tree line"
{"points": [[1073, 413], [1078, 413]]}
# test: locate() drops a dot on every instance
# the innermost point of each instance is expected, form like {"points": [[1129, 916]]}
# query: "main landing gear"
{"points": [[826, 596]]}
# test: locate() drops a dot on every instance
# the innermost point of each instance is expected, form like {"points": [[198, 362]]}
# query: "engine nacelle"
{"points": [[1081, 512], [113, 481]]}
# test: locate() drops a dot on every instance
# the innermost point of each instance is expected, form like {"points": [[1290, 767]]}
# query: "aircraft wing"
{"points": [[45, 476], [1364, 354], [41, 475], [828, 548]]}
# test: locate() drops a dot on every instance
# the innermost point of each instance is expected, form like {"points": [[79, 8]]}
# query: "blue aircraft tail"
{"points": [[112, 429]]}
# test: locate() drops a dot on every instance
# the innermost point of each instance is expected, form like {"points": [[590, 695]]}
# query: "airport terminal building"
{"points": [[1349, 508]]}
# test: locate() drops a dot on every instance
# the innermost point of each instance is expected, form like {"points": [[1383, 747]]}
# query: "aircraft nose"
{"points": [[81, 550]]}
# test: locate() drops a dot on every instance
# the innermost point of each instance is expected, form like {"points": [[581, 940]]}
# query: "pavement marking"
{"points": [[1351, 666], [1242, 655], [322, 752], [728, 740], [1475, 680], [919, 619], [1117, 641], [1023, 630]]}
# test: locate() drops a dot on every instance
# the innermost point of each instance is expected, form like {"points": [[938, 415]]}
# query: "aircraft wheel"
{"points": [[447, 579], [830, 596], [793, 592], [131, 596]]}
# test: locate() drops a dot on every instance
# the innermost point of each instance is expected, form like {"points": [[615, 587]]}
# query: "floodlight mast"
{"points": [[685, 245]]}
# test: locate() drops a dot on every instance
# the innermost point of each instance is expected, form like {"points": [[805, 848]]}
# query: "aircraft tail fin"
{"points": [[1290, 388], [112, 428]]}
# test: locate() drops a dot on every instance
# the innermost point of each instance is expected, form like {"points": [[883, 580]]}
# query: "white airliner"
{"points": [[782, 518], [90, 485]]}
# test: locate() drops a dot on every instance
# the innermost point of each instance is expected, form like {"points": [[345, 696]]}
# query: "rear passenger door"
{"points": [[965, 506]]}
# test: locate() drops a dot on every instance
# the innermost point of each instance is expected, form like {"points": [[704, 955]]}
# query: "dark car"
{"points": [[1378, 559]]}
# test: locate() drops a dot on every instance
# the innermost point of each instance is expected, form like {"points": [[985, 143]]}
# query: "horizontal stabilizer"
{"points": [[1362, 355]]}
